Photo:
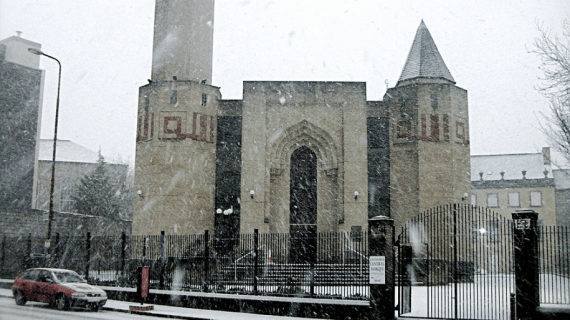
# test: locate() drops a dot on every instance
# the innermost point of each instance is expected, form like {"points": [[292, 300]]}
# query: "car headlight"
{"points": [[78, 294]]}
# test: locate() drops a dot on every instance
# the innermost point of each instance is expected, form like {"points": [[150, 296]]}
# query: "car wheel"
{"points": [[95, 307], [20, 298], [61, 302]]}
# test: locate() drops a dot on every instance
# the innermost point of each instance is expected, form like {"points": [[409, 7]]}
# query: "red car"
{"points": [[59, 287]]}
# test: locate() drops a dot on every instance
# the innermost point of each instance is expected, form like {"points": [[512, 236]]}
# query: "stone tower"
{"points": [[176, 137], [429, 145]]}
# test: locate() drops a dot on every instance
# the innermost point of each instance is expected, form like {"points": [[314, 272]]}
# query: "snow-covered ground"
{"points": [[488, 297]]}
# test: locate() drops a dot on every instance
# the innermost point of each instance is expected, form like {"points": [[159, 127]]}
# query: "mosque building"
{"points": [[296, 157]]}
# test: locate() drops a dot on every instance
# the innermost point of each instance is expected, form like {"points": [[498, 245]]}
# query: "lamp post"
{"points": [[51, 190]]}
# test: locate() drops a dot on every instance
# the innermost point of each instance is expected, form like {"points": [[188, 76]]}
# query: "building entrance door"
{"points": [[303, 206]]}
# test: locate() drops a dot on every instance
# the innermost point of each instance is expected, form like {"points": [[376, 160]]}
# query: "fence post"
{"points": [[206, 260], [87, 255], [2, 262], [381, 255], [28, 259], [255, 258], [123, 255], [162, 258], [56, 251], [526, 263]]}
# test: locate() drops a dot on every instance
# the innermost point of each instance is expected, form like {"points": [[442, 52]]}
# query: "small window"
{"points": [[173, 97], [536, 199], [514, 199], [493, 200], [204, 99], [356, 233], [473, 199], [434, 101], [146, 104]]}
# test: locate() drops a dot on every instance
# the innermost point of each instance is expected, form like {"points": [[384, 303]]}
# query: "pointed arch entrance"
{"points": [[303, 205]]}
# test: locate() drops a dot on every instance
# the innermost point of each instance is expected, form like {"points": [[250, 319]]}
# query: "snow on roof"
{"points": [[424, 60], [67, 151], [511, 164]]}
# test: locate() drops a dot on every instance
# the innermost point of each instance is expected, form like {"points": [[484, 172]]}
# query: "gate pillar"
{"points": [[380, 243], [526, 263]]}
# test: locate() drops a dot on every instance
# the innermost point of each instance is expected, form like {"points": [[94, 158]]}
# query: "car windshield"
{"points": [[67, 277]]}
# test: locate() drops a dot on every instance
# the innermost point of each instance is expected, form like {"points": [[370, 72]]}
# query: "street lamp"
{"points": [[50, 214]]}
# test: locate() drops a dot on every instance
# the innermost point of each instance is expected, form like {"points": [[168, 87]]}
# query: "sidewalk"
{"points": [[179, 313]]}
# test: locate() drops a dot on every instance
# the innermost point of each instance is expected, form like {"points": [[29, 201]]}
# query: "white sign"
{"points": [[522, 224], [377, 270]]}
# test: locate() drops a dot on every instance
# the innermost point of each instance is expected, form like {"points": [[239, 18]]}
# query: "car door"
{"points": [[29, 284], [43, 286]]}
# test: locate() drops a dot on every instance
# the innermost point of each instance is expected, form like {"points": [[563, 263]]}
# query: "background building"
{"points": [[509, 182], [21, 84], [72, 163]]}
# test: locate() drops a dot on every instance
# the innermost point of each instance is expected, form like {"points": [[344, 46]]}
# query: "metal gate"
{"points": [[455, 262]]}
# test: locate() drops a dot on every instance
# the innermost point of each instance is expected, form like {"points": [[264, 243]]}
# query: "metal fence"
{"points": [[461, 262], [554, 257], [458, 258], [251, 264]]}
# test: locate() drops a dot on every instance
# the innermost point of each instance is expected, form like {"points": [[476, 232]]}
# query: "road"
{"points": [[41, 311]]}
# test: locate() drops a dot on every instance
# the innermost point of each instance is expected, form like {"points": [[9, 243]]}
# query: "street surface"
{"points": [[40, 311]]}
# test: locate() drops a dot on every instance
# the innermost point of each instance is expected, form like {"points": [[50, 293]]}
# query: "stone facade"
{"points": [[296, 157], [429, 150]]}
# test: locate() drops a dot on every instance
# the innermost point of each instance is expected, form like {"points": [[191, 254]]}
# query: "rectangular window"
{"points": [[67, 190], [356, 233], [473, 199], [173, 97], [146, 104], [493, 200], [434, 102], [536, 199], [204, 99], [514, 199]]}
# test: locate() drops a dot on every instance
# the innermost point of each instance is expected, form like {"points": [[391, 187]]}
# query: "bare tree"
{"points": [[554, 53]]}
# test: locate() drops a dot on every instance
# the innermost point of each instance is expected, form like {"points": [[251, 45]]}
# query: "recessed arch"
{"points": [[306, 134]]}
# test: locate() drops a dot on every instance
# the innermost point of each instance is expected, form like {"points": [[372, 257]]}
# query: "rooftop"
{"points": [[67, 151], [512, 165], [424, 60]]}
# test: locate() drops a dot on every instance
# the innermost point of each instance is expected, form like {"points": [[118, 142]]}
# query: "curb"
{"points": [[143, 313]]}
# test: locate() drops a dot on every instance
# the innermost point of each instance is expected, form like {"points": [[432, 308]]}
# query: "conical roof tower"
{"points": [[424, 60], [429, 142]]}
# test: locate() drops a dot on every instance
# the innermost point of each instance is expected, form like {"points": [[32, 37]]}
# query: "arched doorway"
{"points": [[303, 206]]}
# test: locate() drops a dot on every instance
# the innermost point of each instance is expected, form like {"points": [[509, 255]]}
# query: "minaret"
{"points": [[183, 40], [175, 160], [429, 144]]}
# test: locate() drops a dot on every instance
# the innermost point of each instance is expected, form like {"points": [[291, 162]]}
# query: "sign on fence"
{"points": [[377, 270], [522, 224]]}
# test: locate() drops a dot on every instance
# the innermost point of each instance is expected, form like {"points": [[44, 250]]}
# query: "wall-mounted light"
{"points": [[140, 194], [355, 195], [251, 193], [465, 196]]}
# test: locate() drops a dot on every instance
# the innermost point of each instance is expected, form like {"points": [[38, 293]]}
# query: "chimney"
{"points": [[546, 155]]}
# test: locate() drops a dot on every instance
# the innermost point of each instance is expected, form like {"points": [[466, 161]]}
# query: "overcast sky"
{"points": [[105, 47]]}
